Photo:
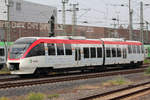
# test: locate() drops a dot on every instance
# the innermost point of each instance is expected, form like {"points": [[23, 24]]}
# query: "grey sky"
{"points": [[101, 12]]}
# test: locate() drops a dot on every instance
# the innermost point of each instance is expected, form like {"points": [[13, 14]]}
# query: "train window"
{"points": [[86, 52], [129, 49], [38, 50], [134, 48], [124, 53], [108, 52], [51, 49], [114, 52], [60, 49], [68, 49], [142, 48], [93, 52], [2, 53], [99, 52], [118, 52], [138, 49]]}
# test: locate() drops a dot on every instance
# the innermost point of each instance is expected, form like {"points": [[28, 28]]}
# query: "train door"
{"points": [[108, 55], [77, 55]]}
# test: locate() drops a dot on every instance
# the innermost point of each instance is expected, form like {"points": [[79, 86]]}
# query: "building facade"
{"points": [[31, 19], [24, 15], [21, 10]]}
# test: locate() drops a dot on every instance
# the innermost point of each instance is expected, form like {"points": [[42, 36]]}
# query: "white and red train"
{"points": [[40, 55]]}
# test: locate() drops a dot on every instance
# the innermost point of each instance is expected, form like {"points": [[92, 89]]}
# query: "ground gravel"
{"points": [[70, 90]]}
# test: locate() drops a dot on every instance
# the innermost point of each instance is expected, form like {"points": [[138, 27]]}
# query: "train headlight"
{"points": [[11, 67], [1, 59]]}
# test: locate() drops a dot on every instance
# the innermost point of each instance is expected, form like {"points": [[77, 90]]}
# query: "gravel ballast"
{"points": [[70, 90]]}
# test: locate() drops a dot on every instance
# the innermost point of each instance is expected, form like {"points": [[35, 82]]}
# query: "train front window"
{"points": [[38, 50], [18, 50], [2, 52], [19, 47]]}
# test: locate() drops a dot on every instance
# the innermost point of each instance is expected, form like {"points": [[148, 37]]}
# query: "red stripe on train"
{"points": [[76, 42]]}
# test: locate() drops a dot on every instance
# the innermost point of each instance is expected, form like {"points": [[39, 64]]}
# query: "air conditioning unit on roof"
{"points": [[71, 37], [113, 39]]}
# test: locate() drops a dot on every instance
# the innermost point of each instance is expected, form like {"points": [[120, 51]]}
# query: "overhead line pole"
{"points": [[130, 22], [141, 22], [147, 32], [8, 20], [74, 18], [8, 25], [64, 15]]}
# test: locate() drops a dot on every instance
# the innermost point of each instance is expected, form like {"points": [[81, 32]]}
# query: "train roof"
{"points": [[80, 40], [60, 37]]}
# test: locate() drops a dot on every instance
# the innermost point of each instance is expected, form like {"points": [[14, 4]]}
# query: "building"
{"points": [[21, 10], [103, 32], [25, 14], [31, 19]]}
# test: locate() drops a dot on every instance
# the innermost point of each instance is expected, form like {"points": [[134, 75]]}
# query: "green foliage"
{"points": [[53, 96], [146, 61], [118, 81], [147, 71], [36, 96], [4, 70], [4, 98]]}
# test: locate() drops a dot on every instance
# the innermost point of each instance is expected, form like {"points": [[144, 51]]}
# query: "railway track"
{"points": [[7, 83], [65, 74], [126, 93]]}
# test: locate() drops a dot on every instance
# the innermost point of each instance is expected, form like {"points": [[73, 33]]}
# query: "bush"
{"points": [[36, 96], [4, 98], [53, 96], [146, 61], [118, 81], [4, 70], [147, 70]]}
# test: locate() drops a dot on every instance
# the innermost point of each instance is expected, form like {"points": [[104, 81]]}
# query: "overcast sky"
{"points": [[101, 12]]}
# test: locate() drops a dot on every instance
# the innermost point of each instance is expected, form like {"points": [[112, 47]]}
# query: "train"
{"points": [[4, 47], [42, 55], [147, 50]]}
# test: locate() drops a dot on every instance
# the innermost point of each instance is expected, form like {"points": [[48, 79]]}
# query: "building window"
{"points": [[11, 3], [18, 6]]}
